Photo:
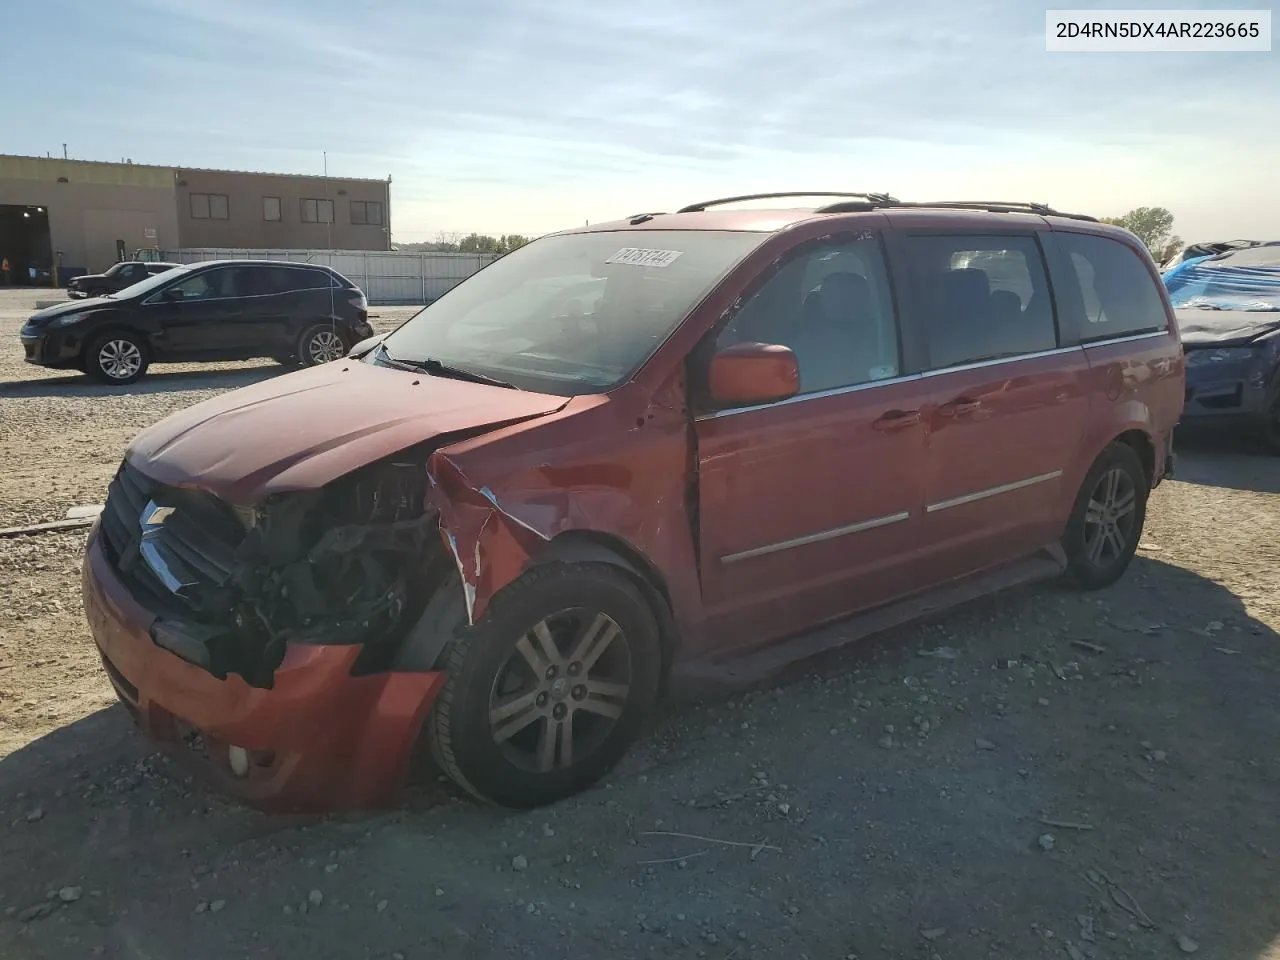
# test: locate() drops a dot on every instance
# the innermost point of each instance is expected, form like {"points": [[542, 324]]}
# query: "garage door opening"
{"points": [[24, 241]]}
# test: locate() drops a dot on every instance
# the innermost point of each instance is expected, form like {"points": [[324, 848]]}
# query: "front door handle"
{"points": [[960, 407], [896, 420]]}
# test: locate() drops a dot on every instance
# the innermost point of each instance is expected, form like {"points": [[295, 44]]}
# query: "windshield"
{"points": [[151, 283], [1248, 280], [575, 313], [114, 271]]}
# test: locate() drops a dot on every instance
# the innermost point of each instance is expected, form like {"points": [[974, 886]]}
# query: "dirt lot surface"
{"points": [[1042, 774]]}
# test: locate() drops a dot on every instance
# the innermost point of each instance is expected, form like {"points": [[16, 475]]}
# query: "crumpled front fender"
{"points": [[499, 508]]}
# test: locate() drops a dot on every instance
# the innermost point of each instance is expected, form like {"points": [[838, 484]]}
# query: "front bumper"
{"points": [[50, 348], [1229, 389], [319, 740]]}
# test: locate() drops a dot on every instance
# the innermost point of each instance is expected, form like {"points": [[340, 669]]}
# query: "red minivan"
{"points": [[675, 442]]}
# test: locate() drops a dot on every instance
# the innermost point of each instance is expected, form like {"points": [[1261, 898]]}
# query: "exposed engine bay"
{"points": [[352, 563]]}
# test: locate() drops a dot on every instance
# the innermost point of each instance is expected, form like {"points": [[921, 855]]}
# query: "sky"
{"points": [[527, 116]]}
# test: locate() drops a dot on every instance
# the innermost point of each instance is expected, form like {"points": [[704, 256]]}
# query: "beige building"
{"points": [[224, 208], [86, 215]]}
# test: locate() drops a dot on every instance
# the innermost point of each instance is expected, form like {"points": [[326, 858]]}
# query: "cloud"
{"points": [[545, 101]]}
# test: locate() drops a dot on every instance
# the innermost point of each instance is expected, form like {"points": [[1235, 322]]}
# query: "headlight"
{"points": [[1197, 358], [66, 320]]}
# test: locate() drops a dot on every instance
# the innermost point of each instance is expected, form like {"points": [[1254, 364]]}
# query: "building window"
{"points": [[366, 212], [270, 208], [209, 206], [317, 211]]}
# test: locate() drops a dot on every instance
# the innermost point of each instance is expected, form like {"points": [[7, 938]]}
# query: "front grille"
{"points": [[181, 563]]}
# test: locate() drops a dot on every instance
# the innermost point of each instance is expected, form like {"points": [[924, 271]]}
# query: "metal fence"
{"points": [[385, 277]]}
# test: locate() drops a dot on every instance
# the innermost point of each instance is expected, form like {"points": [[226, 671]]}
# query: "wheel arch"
{"points": [[592, 546], [1141, 443], [116, 325]]}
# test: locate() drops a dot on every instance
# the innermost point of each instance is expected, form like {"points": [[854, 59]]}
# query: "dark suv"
{"points": [[295, 313], [119, 276]]}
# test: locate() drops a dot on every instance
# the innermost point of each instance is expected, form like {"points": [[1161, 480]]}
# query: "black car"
{"points": [[121, 275], [1228, 308], [296, 313]]}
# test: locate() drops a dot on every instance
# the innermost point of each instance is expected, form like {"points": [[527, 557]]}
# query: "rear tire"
{"points": [[320, 344], [1107, 519], [547, 693], [117, 357]]}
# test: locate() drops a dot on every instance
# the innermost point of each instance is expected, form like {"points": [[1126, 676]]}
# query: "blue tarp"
{"points": [[1247, 280]]}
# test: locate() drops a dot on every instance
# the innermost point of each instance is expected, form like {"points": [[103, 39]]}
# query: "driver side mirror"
{"points": [[171, 295], [748, 373]]}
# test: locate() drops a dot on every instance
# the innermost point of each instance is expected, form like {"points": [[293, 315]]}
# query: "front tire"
{"points": [[546, 694], [1107, 519], [117, 357], [320, 344]]}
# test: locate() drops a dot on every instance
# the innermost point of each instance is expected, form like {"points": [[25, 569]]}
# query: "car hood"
{"points": [[93, 277], [1223, 328], [71, 306], [302, 430]]}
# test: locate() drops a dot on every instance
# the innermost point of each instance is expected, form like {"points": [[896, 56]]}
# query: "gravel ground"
{"points": [[1041, 774]]}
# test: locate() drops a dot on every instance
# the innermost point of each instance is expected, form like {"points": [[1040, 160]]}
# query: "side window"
{"points": [[832, 306], [1120, 297], [291, 279], [209, 285], [981, 297]]}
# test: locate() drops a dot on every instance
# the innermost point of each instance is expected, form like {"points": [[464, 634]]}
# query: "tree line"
{"points": [[469, 243], [1154, 227]]}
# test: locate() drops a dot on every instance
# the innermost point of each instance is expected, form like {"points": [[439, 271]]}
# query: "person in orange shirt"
{"points": [[4, 269]]}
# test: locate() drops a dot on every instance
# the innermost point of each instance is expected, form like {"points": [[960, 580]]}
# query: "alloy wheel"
{"points": [[326, 346], [119, 359], [1110, 517], [560, 693]]}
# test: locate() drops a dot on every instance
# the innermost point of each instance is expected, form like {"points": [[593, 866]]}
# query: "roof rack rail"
{"points": [[871, 197], [1000, 206], [647, 215]]}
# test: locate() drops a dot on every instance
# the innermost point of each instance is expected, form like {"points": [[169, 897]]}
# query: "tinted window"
{"points": [[289, 279], [981, 297], [831, 305], [208, 285], [1120, 297]]}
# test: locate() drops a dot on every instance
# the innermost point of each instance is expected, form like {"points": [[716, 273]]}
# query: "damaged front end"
{"points": [[352, 563]]}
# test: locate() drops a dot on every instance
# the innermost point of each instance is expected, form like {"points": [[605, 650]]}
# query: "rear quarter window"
{"points": [[980, 297], [1118, 294]]}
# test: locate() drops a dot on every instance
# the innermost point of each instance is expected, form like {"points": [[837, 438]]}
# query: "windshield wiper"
{"points": [[437, 368]]}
